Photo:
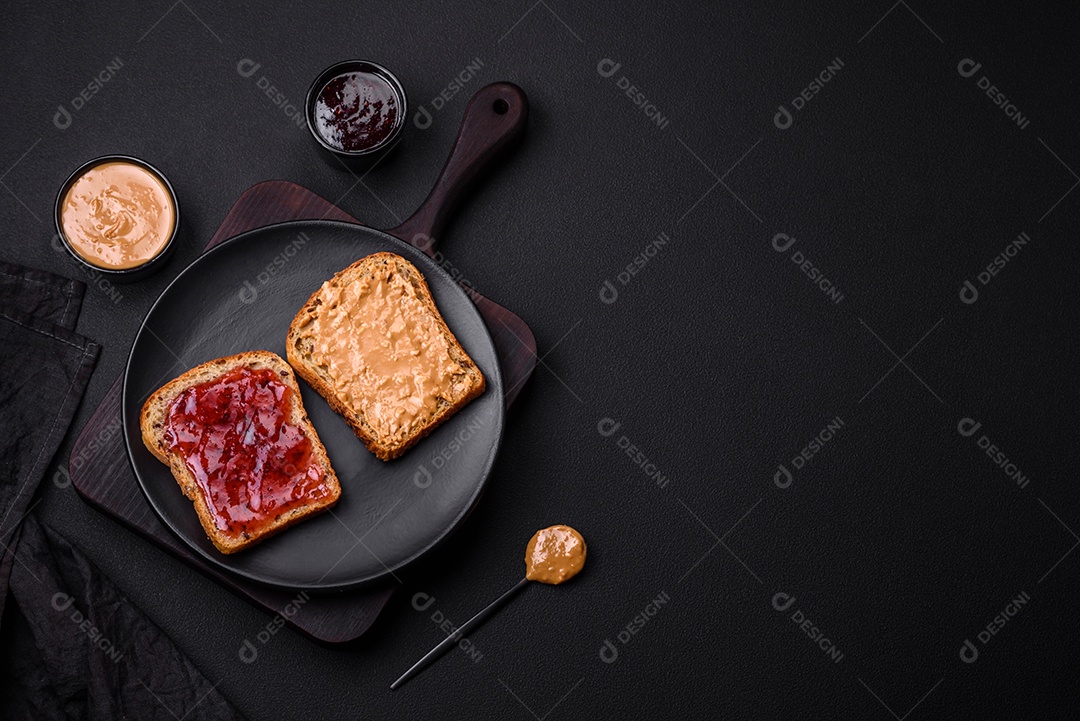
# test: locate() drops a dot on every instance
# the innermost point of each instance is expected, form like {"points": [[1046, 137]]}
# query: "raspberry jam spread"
{"points": [[250, 464], [356, 111]]}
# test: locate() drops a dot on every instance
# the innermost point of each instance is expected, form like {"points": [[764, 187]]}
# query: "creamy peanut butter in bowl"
{"points": [[118, 216]]}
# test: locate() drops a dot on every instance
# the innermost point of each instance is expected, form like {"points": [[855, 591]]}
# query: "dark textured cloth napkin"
{"points": [[44, 369], [71, 646]]}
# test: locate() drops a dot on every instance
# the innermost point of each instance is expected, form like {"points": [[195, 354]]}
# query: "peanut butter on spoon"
{"points": [[554, 555]]}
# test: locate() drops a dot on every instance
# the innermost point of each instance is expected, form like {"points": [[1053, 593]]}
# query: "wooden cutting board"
{"points": [[102, 474]]}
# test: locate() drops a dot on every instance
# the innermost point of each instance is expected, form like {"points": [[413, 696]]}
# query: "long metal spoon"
{"points": [[457, 635], [554, 555]]}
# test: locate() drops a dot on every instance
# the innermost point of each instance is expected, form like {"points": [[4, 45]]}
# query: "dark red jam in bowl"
{"points": [[249, 462], [356, 111]]}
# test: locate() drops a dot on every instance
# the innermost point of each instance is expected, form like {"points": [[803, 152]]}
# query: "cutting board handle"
{"points": [[494, 118]]}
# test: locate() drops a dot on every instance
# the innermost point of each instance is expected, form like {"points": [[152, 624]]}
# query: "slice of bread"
{"points": [[345, 352], [153, 422]]}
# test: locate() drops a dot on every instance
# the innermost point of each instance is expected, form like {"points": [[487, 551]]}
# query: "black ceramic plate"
{"points": [[242, 295]]}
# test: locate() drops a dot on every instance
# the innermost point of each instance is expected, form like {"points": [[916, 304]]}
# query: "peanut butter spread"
{"points": [[118, 215], [554, 555], [384, 351]]}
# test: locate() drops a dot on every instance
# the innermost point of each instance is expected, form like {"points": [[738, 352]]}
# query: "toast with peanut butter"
{"points": [[234, 433], [372, 342]]}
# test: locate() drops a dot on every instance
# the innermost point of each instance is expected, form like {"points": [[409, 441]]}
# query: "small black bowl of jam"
{"points": [[356, 110]]}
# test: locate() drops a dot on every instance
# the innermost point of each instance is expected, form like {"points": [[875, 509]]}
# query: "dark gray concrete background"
{"points": [[899, 179]]}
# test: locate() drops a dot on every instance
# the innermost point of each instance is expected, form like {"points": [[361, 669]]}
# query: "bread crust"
{"points": [[298, 352], [152, 420]]}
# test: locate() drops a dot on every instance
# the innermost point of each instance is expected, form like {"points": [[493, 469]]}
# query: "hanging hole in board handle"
{"points": [[494, 118]]}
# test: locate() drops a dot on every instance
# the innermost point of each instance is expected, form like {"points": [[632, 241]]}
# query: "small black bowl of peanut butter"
{"points": [[118, 216]]}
